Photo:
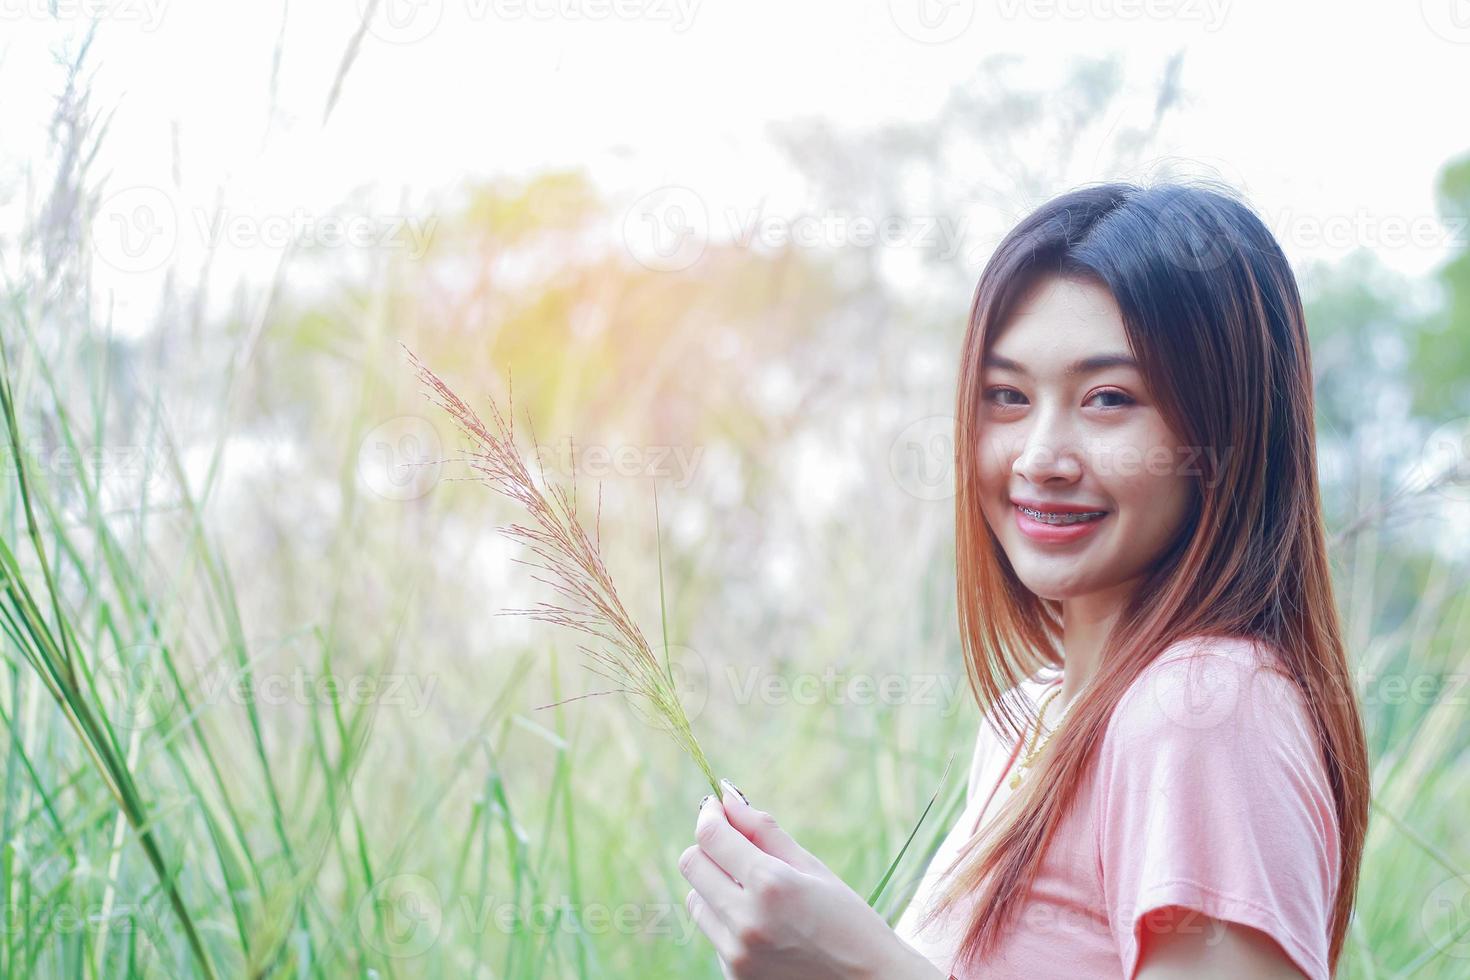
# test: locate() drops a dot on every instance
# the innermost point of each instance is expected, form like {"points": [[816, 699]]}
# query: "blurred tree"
{"points": [[1441, 346]]}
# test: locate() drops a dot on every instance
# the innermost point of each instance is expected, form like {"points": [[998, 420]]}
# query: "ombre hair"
{"points": [[1213, 315]]}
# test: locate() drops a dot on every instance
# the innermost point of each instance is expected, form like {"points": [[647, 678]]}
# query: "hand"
{"points": [[775, 912]]}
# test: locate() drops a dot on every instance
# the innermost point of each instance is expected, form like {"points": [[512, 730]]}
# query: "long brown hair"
{"points": [[1212, 313]]}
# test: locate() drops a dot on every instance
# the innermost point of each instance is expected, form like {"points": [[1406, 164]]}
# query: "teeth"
{"points": [[1048, 518]]}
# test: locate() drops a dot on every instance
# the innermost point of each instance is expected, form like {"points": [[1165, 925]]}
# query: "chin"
{"points": [[1053, 584], [1054, 587], [1054, 594]]}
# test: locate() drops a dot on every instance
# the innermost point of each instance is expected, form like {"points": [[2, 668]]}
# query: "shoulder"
{"points": [[1214, 689], [1212, 795], [1217, 726], [1216, 729]]}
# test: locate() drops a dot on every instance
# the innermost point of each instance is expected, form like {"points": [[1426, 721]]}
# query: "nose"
{"points": [[1049, 453]]}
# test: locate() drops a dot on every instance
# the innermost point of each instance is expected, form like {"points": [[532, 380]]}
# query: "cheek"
{"points": [[1181, 491], [1154, 505], [999, 447], [992, 465], [1146, 477], [992, 477]]}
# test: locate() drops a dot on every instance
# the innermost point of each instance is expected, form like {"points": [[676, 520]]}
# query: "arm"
{"points": [[1211, 949], [775, 912]]}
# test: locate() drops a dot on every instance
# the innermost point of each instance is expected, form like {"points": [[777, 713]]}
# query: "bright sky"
{"points": [[1324, 111]]}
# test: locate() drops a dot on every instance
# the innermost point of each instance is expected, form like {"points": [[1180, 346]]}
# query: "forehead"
{"points": [[1061, 319]]}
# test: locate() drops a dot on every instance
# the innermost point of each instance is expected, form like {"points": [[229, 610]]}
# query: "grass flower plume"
{"points": [[570, 562]]}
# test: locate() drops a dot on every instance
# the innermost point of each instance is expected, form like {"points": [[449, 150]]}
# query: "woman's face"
{"points": [[1067, 424]]}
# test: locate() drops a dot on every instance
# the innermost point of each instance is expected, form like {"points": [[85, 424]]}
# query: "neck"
{"points": [[1086, 622]]}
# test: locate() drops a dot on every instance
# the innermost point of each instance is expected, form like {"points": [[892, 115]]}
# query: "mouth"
{"points": [[1057, 525], [1060, 516]]}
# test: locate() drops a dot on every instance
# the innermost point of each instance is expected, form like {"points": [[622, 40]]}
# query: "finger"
{"points": [[761, 829], [709, 923], [731, 850], [709, 879]]}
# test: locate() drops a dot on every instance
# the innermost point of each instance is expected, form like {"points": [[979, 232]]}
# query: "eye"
{"points": [[992, 395], [1123, 398]]}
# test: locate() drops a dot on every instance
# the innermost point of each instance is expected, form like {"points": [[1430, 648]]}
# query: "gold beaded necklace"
{"points": [[1038, 741]]}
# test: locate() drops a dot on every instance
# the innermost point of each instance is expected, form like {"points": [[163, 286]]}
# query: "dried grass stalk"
{"points": [[573, 567]]}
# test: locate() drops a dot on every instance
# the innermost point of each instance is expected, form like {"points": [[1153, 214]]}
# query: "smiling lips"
{"points": [[1056, 523]]}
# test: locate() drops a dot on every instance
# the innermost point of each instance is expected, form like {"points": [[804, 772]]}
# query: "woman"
{"points": [[1171, 780]]}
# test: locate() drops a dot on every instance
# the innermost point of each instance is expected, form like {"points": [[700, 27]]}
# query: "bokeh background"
{"points": [[259, 707]]}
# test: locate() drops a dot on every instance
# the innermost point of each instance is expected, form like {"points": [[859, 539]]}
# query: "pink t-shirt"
{"points": [[1208, 793]]}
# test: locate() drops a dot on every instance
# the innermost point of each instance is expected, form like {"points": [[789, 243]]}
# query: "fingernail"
{"points": [[707, 798], [736, 789]]}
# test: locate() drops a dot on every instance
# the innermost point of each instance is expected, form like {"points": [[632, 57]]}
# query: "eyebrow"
{"points": [[1085, 366]]}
